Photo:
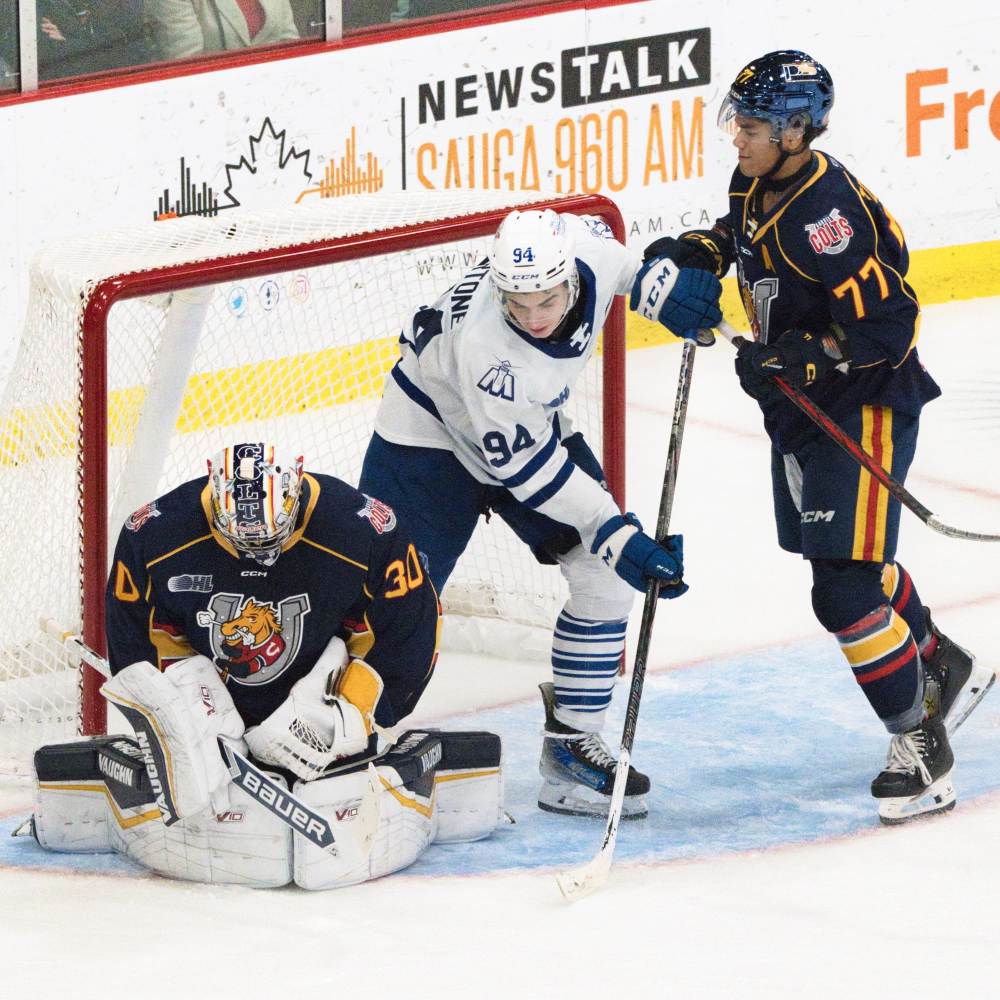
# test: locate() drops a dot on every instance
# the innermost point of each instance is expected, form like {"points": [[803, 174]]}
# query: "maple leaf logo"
{"points": [[273, 172]]}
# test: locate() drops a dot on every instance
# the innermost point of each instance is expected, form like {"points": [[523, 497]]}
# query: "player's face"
{"points": [[757, 153], [538, 313]]}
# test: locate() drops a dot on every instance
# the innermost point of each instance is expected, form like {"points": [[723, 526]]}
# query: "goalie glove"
{"points": [[684, 300], [621, 544], [328, 714]]}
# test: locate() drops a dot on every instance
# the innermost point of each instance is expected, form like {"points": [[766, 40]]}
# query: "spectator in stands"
{"points": [[184, 28], [77, 37]]}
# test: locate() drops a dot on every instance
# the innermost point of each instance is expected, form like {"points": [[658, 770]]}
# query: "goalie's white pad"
{"points": [[245, 844], [177, 715], [468, 787], [406, 824], [326, 716], [430, 786]]}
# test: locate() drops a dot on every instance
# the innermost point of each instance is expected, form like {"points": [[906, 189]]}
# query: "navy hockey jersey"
{"points": [[829, 252], [177, 587]]}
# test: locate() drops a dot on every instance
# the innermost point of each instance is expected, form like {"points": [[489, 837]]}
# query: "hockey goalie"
{"points": [[265, 627]]}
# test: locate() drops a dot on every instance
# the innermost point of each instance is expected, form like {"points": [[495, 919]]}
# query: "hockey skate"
{"points": [[579, 771], [916, 780], [956, 683]]}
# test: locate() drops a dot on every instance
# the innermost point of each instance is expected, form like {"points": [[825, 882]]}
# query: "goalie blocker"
{"points": [[95, 795]]}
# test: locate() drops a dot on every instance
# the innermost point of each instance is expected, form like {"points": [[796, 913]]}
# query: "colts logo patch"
{"points": [[831, 234], [379, 515], [254, 641], [137, 519], [499, 381]]}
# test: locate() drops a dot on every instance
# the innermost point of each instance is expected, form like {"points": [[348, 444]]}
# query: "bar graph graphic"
{"points": [[193, 200], [348, 174]]}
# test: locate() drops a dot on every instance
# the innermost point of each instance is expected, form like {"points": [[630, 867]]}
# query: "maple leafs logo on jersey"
{"points": [[138, 518], [499, 381], [380, 515], [831, 234]]}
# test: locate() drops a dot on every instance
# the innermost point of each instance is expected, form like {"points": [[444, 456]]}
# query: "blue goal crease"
{"points": [[766, 750]]}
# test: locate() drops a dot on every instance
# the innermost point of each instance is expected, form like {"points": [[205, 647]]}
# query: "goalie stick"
{"points": [[578, 882], [259, 785], [834, 431]]}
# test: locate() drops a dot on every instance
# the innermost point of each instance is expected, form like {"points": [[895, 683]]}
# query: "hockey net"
{"points": [[147, 350]]}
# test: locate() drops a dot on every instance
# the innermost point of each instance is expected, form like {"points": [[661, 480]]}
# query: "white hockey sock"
{"points": [[585, 657]]}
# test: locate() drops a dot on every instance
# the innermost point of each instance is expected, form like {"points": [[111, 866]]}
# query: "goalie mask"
{"points": [[255, 498], [533, 252]]}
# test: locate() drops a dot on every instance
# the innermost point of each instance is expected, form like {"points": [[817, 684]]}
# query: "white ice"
{"points": [[911, 911]]}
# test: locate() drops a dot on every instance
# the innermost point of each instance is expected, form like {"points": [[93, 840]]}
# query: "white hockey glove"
{"points": [[177, 716], [327, 715]]}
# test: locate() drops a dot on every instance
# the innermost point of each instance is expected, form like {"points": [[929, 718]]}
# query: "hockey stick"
{"points": [[259, 785], [578, 882], [836, 433]]}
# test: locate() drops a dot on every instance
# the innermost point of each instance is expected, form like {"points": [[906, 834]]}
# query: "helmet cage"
{"points": [[255, 491]]}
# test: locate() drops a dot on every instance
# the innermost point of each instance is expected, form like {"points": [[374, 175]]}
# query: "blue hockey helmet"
{"points": [[788, 88]]}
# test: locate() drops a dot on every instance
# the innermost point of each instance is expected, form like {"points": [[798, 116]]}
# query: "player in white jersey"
{"points": [[472, 420]]}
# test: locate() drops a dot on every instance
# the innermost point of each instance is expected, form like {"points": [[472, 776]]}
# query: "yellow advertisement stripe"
{"points": [[347, 374]]}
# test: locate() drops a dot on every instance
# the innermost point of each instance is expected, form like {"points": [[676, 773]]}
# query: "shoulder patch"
{"points": [[831, 234], [138, 518], [380, 515]]}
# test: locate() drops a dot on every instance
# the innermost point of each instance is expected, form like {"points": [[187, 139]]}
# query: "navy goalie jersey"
{"points": [[829, 252], [177, 587]]}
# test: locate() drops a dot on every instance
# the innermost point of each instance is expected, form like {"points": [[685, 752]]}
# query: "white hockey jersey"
{"points": [[470, 382]]}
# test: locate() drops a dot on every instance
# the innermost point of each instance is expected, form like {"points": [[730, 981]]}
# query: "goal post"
{"points": [[147, 350]]}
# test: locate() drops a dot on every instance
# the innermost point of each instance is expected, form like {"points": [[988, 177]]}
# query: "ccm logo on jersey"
{"points": [[831, 234], [811, 516]]}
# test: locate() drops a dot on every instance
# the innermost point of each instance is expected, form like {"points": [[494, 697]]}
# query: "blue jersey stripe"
{"points": [[547, 492]]}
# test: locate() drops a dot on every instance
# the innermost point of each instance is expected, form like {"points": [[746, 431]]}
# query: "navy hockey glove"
{"points": [[698, 248], [637, 559], [684, 300], [800, 357]]}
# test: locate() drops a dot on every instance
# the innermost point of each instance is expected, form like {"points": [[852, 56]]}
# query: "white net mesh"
{"points": [[296, 353]]}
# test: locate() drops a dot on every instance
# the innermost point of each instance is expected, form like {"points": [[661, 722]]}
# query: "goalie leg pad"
{"points": [[177, 715], [95, 795], [407, 818], [83, 787], [243, 845], [468, 787]]}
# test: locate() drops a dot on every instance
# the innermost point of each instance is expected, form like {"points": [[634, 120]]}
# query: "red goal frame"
{"points": [[92, 470]]}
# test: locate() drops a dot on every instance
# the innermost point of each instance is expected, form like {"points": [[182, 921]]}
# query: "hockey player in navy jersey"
{"points": [[261, 565], [821, 266], [265, 626], [473, 419]]}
